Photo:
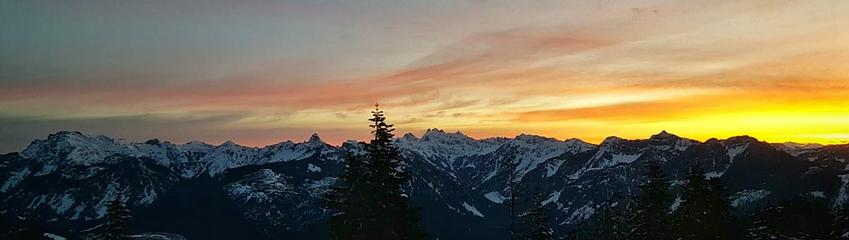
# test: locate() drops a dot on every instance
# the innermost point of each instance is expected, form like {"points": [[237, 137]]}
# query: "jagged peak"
{"points": [[664, 135], [434, 130], [409, 137], [432, 133], [315, 139]]}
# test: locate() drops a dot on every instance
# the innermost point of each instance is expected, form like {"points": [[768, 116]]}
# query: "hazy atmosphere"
{"points": [[470, 119]]}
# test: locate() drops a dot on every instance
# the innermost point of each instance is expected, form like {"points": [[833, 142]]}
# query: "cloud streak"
{"points": [[572, 70]]}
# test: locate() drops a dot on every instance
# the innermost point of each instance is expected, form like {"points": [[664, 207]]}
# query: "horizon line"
{"points": [[399, 136]]}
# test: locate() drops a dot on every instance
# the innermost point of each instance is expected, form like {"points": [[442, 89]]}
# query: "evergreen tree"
{"points": [[692, 214], [394, 218], [369, 201], [537, 220], [725, 223], [117, 218], [348, 200], [514, 190], [800, 218], [840, 229], [651, 209], [612, 220], [705, 211]]}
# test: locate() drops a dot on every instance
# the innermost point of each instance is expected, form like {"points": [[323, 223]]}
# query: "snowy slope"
{"points": [[69, 176]]}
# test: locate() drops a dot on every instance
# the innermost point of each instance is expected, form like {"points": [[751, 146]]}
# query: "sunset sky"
{"points": [[260, 72]]}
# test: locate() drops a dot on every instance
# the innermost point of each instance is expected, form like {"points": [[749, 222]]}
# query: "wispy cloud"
{"points": [[594, 67]]}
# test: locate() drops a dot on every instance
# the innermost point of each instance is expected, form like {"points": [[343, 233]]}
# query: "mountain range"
{"points": [[62, 184]]}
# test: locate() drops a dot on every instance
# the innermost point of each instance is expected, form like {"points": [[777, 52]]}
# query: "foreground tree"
{"points": [[613, 219], [514, 189], [349, 199], [651, 209], [800, 218], [117, 219], [840, 229], [705, 211], [537, 220], [369, 201]]}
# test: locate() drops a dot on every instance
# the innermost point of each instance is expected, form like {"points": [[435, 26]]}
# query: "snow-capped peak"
{"points": [[434, 134], [196, 147], [230, 155], [433, 131], [75, 147], [796, 149]]}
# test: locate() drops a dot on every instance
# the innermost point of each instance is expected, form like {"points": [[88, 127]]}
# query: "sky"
{"points": [[260, 72]]}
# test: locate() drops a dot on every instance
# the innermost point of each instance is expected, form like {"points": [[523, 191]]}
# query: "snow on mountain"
{"points": [[472, 209], [443, 149], [73, 148], [14, 179], [231, 155], [611, 152], [796, 149], [494, 197], [280, 187], [667, 141], [313, 168], [553, 197], [843, 195], [745, 197], [531, 151], [260, 187], [53, 236], [581, 214], [732, 151]]}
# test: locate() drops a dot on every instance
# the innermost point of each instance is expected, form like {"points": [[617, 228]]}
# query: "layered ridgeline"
{"points": [[63, 184]]}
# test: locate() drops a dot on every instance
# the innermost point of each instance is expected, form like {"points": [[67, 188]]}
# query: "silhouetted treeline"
{"points": [[527, 216], [704, 211]]}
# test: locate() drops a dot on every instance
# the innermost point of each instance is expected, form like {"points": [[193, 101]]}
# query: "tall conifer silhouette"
{"points": [[651, 216], [705, 211], [537, 220], [350, 200], [369, 201], [514, 190], [117, 219], [394, 218]]}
